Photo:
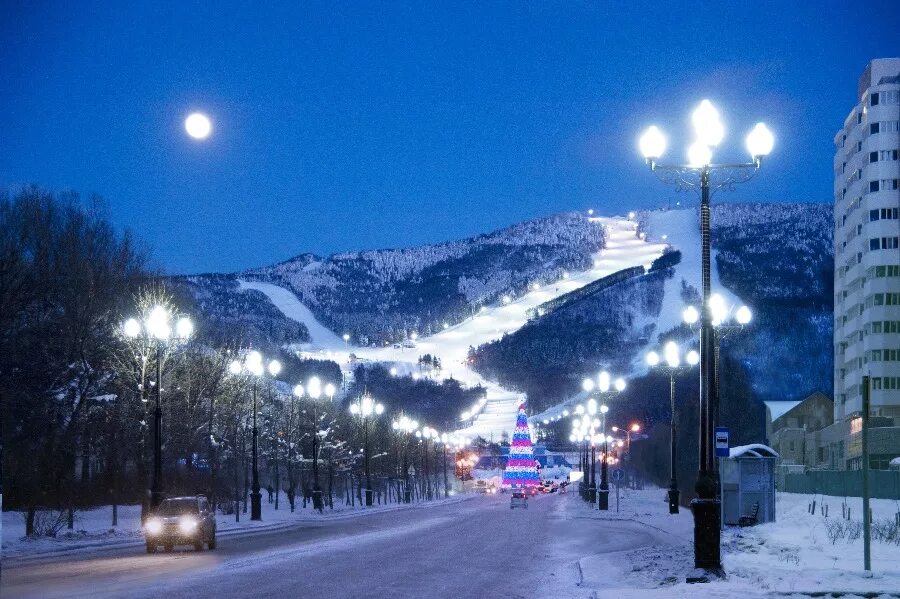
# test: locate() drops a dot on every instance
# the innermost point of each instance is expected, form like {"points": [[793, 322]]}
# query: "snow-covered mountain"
{"points": [[534, 301]]}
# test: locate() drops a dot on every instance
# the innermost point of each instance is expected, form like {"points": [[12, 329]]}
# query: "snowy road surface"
{"points": [[477, 548]]}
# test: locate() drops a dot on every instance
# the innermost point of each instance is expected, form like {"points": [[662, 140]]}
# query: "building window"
{"points": [[874, 244], [890, 97], [873, 186], [876, 383], [889, 184], [858, 118], [873, 157], [888, 154], [890, 243], [873, 128], [873, 99]]}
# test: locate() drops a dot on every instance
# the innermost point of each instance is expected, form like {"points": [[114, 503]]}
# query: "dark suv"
{"points": [[181, 521]]}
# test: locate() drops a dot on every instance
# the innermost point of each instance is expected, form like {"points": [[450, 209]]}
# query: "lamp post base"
{"points": [[707, 542], [603, 499], [674, 495], [370, 494], [256, 506], [592, 494], [317, 500], [407, 495]]}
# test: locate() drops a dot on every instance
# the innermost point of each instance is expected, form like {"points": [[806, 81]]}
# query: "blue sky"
{"points": [[366, 125]]}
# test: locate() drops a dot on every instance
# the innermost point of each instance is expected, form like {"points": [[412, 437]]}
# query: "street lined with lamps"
{"points": [[701, 173]]}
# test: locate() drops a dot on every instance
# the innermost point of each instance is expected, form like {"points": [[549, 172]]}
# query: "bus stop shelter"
{"points": [[747, 476]]}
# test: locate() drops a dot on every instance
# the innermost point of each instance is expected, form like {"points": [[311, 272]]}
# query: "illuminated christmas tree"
{"points": [[521, 469]]}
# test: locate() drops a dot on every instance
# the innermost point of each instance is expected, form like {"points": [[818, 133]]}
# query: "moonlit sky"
{"points": [[365, 125]]}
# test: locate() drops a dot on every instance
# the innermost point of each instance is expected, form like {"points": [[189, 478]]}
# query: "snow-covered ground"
{"points": [[792, 555], [498, 414], [93, 528]]}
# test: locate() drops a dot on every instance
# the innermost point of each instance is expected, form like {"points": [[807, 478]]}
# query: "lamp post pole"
{"points": [[603, 503], [710, 131], [156, 494], [255, 494], [674, 493]]}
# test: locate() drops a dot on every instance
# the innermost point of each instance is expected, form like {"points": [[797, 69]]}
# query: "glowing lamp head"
{"points": [[699, 155], [346, 337], [743, 315], [157, 323], [690, 315], [635, 427], [330, 390], [718, 309], [604, 409], [592, 406], [379, 409], [620, 384], [587, 385], [274, 367], [692, 358], [579, 409], [198, 125], [652, 143], [603, 382], [298, 390], [131, 328], [652, 359], [671, 352], [760, 141], [707, 124], [235, 367], [314, 387], [184, 328]]}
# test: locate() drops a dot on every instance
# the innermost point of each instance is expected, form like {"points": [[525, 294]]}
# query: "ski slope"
{"points": [[497, 413]]}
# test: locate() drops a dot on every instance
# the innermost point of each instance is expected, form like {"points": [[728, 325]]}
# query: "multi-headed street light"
{"points": [[314, 390], [154, 333], [365, 407], [406, 425], [673, 364], [701, 173], [254, 364]]}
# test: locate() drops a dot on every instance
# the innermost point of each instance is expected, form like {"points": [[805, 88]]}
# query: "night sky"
{"points": [[348, 127]]}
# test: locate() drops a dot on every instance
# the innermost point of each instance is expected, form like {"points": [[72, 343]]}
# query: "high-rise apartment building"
{"points": [[866, 249]]}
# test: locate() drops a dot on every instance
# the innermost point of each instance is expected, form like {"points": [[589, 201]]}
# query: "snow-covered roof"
{"points": [[780, 408], [895, 461], [757, 450]]}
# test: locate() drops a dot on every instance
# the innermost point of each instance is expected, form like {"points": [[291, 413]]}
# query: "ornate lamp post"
{"points": [[365, 407], [672, 365], [254, 365], [155, 333], [314, 391], [406, 426], [701, 173]]}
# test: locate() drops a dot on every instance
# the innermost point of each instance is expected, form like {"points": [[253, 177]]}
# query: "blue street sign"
{"points": [[722, 442], [618, 475]]}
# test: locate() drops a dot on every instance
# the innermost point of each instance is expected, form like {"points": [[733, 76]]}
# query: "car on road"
{"points": [[519, 499], [181, 521]]}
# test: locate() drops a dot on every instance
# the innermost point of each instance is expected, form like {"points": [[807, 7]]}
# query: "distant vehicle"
{"points": [[181, 521], [519, 499], [484, 488], [409, 344]]}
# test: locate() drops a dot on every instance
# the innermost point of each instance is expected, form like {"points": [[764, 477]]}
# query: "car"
{"points": [[519, 499], [181, 521]]}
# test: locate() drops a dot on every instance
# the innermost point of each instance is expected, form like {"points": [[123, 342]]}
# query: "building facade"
{"points": [[867, 253]]}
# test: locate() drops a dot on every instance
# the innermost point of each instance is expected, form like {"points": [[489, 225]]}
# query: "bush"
{"points": [[47, 523]]}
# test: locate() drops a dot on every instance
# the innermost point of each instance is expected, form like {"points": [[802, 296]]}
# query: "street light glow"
{"points": [[760, 141], [699, 155], [671, 352], [131, 328], [184, 327], [707, 125], [604, 409], [620, 384], [690, 315], [652, 359], [652, 143], [274, 367], [693, 358], [743, 315], [587, 385], [603, 382], [298, 390]]}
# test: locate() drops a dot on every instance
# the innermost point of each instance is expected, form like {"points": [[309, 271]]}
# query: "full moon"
{"points": [[197, 125]]}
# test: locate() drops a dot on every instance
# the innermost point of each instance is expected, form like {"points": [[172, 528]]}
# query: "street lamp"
{"points": [[154, 333], [672, 364], [606, 385], [700, 172], [365, 407], [314, 391], [405, 425], [254, 364]]}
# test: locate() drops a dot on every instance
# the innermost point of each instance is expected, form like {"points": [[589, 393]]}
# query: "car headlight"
{"points": [[187, 524], [153, 526]]}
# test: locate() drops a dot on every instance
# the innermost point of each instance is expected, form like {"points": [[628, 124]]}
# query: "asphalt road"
{"points": [[476, 548]]}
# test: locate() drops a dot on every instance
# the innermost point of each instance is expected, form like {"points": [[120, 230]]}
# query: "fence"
{"points": [[883, 484]]}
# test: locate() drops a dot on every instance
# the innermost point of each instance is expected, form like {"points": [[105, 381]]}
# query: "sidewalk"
{"points": [[93, 531]]}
